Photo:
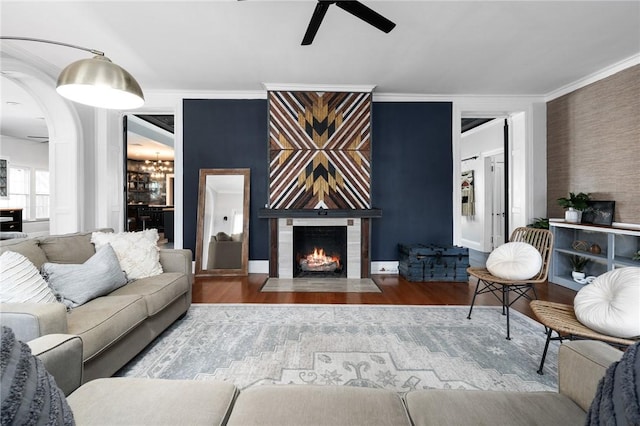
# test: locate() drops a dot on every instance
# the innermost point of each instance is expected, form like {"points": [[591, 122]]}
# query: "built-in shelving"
{"points": [[617, 243]]}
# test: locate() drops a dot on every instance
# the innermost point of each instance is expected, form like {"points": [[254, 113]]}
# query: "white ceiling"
{"points": [[437, 48]]}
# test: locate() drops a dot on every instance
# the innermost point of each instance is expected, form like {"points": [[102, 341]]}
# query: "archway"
{"points": [[65, 132]]}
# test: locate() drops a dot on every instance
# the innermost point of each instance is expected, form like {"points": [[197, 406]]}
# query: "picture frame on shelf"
{"points": [[599, 212]]}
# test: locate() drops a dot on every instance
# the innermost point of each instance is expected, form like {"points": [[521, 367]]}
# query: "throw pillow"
{"points": [[77, 284], [137, 251], [514, 261], [29, 393], [609, 304], [20, 281]]}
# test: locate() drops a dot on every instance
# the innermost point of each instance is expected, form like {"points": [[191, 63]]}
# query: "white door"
{"points": [[497, 204]]}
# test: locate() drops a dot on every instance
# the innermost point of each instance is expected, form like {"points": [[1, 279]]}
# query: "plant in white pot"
{"points": [[578, 263], [574, 204]]}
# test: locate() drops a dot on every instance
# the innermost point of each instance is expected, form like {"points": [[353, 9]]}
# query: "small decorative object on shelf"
{"points": [[578, 264], [599, 212], [580, 245], [595, 249], [574, 204]]}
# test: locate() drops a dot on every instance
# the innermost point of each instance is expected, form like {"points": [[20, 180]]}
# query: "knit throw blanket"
{"points": [[29, 393], [617, 400]]}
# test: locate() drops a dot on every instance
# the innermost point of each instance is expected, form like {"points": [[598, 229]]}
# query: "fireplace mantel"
{"points": [[319, 213]]}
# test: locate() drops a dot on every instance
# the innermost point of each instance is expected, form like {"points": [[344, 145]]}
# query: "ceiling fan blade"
{"points": [[366, 14], [316, 20]]}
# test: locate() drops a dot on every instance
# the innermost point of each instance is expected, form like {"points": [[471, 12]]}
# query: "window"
{"points": [[29, 191], [19, 189], [42, 194]]}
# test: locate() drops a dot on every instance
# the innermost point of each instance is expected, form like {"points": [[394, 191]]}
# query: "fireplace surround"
{"points": [[358, 232]]}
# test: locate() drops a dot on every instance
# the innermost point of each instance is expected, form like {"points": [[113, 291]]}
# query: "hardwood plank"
{"points": [[395, 291]]}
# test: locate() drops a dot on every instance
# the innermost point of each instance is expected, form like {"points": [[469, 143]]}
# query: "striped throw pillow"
{"points": [[20, 281]]}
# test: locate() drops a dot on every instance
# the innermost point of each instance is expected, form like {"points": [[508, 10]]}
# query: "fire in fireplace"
{"points": [[319, 262], [319, 251]]}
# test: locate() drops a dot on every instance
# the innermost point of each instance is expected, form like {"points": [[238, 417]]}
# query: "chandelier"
{"points": [[157, 168]]}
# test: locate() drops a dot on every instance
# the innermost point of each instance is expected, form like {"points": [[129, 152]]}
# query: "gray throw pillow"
{"points": [[29, 394], [78, 284]]}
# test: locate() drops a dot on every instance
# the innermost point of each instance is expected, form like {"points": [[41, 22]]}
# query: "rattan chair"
{"points": [[562, 319], [542, 240]]}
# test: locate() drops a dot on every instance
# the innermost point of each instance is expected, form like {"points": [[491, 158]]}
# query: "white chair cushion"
{"points": [[609, 304], [514, 261]]}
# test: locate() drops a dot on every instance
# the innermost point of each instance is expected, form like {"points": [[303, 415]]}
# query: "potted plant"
{"points": [[539, 223], [578, 264], [575, 204]]}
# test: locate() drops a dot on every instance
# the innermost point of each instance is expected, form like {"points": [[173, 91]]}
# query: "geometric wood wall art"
{"points": [[320, 150]]}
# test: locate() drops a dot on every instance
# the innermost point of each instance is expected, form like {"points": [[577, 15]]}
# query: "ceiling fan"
{"points": [[355, 8]]}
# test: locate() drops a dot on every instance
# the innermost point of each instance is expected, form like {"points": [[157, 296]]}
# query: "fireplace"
{"points": [[354, 259], [320, 251]]}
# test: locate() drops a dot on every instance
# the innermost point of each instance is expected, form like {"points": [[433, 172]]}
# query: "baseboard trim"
{"points": [[384, 267]]}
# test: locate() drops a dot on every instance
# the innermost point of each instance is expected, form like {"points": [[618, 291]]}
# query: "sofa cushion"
{"points": [[470, 407], [20, 281], [137, 251], [68, 248], [77, 284], [130, 401], [514, 261], [158, 291], [29, 395], [317, 405], [28, 248], [609, 304], [104, 320]]}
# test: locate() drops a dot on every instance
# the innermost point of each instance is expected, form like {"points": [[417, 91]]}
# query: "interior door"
{"points": [[497, 205]]}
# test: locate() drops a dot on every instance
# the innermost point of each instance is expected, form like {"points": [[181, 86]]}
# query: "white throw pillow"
{"points": [[137, 251], [610, 304], [20, 281], [514, 261], [77, 284]]}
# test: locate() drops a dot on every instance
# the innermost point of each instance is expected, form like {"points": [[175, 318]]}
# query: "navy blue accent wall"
{"points": [[224, 134], [412, 166], [412, 183]]}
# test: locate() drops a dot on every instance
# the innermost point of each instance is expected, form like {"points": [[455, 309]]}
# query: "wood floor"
{"points": [[395, 291]]}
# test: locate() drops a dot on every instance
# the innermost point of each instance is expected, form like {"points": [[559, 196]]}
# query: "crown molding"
{"points": [[284, 87], [592, 78]]}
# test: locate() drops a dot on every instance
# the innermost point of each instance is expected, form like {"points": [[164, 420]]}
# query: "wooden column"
{"points": [[365, 255], [273, 248]]}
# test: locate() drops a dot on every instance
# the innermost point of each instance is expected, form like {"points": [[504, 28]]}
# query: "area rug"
{"points": [[321, 285], [401, 348]]}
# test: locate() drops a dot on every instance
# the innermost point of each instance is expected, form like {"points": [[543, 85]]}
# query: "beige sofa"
{"points": [[113, 328], [114, 401]]}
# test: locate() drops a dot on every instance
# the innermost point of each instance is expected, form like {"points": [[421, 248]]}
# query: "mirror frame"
{"points": [[200, 243]]}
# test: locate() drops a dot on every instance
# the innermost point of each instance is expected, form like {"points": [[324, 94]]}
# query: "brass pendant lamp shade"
{"points": [[101, 83], [96, 82]]}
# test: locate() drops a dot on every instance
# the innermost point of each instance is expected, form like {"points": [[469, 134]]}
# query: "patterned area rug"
{"points": [[394, 347], [321, 285]]}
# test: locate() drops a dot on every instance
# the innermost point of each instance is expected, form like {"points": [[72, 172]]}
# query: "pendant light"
{"points": [[95, 81]]}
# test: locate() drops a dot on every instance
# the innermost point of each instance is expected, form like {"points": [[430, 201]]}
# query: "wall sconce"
{"points": [[96, 81]]}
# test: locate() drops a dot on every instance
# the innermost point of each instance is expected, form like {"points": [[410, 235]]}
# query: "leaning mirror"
{"points": [[222, 241]]}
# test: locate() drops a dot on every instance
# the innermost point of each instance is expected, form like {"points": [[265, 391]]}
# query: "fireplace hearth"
{"points": [[320, 251]]}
